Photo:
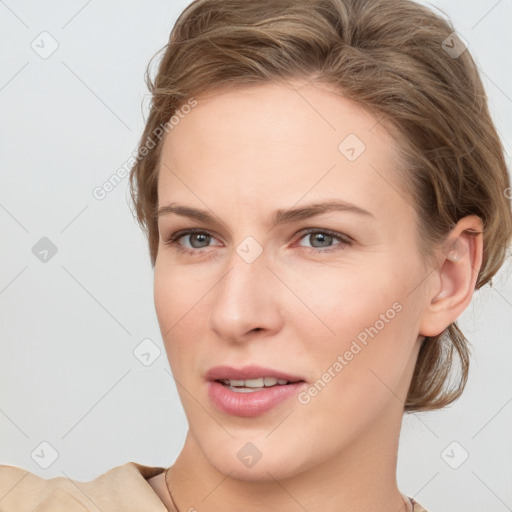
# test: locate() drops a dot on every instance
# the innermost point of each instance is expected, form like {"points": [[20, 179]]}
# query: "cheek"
{"points": [[176, 296], [165, 298], [365, 316], [344, 299]]}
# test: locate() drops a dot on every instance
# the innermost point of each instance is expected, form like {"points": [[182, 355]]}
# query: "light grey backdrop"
{"points": [[71, 90]]}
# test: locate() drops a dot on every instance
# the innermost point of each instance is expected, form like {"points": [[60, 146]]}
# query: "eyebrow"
{"points": [[281, 216]]}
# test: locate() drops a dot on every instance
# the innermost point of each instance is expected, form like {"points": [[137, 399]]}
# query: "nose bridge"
{"points": [[245, 298]]}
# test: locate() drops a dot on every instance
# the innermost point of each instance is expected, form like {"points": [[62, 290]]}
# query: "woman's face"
{"points": [[338, 308]]}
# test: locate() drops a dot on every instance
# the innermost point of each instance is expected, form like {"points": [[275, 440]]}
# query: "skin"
{"points": [[242, 154]]}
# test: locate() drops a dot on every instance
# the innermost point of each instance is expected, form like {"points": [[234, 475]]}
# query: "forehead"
{"points": [[277, 143]]}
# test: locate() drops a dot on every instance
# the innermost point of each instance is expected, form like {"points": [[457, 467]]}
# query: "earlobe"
{"points": [[460, 260]]}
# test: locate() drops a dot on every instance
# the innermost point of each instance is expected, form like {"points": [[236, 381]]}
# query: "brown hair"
{"points": [[395, 58]]}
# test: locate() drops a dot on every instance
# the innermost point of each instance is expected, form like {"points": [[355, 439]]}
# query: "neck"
{"points": [[361, 479]]}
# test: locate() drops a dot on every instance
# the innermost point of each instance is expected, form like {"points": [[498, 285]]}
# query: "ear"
{"points": [[453, 282]]}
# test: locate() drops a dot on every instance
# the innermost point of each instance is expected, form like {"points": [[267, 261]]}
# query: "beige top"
{"points": [[121, 489]]}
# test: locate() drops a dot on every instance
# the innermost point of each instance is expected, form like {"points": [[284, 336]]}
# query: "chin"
{"points": [[246, 458], [262, 471]]}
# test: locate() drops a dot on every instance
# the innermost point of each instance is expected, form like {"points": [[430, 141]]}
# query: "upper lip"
{"points": [[248, 372]]}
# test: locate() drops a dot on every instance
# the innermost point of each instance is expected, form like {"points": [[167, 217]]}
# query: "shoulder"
{"points": [[123, 488]]}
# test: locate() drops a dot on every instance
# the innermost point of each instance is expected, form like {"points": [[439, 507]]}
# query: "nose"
{"points": [[246, 300]]}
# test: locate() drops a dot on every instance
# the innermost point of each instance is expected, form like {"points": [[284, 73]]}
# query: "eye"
{"points": [[197, 239], [324, 238]]}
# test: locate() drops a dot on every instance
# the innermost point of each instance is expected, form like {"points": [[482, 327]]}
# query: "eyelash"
{"points": [[173, 239]]}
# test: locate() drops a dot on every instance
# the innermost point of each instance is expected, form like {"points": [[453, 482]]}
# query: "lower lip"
{"points": [[252, 403]]}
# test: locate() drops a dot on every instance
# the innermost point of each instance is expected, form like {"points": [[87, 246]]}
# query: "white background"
{"points": [[68, 375]]}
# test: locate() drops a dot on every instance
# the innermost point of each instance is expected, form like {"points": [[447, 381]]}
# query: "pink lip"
{"points": [[248, 372], [252, 403]]}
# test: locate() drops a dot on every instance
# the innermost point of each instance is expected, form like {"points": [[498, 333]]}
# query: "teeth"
{"points": [[235, 382], [255, 383]]}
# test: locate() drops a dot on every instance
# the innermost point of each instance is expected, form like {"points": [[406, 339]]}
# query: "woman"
{"points": [[322, 189]]}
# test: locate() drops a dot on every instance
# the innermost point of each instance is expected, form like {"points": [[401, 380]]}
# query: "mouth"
{"points": [[253, 385], [252, 375], [250, 391]]}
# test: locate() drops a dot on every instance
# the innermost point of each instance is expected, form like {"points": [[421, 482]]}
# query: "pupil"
{"points": [[203, 237], [320, 237]]}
